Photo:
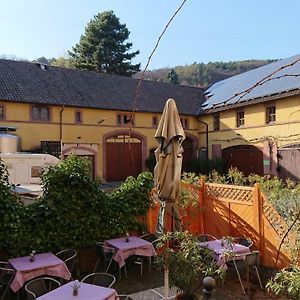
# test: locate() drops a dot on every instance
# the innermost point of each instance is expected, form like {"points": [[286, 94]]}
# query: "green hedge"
{"points": [[73, 211]]}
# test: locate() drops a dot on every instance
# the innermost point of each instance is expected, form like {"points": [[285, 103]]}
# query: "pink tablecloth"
{"points": [[225, 251], [135, 246], [44, 264], [85, 292]]}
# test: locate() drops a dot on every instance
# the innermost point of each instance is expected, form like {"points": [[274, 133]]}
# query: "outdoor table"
{"points": [[134, 246], [44, 264], [224, 251], [86, 291]]}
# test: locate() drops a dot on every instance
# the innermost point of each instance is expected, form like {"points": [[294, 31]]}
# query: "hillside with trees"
{"points": [[196, 74], [203, 75]]}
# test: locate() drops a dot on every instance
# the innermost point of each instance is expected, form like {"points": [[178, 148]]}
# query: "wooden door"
{"points": [[248, 159], [123, 158]]}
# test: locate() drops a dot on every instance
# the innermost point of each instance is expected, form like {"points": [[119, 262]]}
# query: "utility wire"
{"points": [[138, 88]]}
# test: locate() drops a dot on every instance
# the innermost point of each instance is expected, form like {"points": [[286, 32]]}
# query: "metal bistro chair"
{"points": [[7, 274], [40, 286], [245, 241], [106, 254], [139, 258], [101, 279], [246, 261], [205, 238], [69, 257]]}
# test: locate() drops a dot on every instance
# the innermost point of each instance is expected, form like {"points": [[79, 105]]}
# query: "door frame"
{"points": [[131, 133]]}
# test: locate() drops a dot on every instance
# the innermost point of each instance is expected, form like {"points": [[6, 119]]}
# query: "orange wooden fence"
{"points": [[228, 210]]}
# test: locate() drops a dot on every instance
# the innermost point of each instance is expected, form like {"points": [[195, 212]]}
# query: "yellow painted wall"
{"points": [[286, 129], [89, 131]]}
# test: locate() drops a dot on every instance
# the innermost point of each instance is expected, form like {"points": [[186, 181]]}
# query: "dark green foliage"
{"points": [[187, 263], [151, 162], [102, 47], [286, 282], [173, 77], [205, 166], [204, 75], [11, 212], [73, 211]]}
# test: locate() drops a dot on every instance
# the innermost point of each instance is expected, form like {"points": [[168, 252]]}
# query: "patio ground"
{"points": [[139, 287]]}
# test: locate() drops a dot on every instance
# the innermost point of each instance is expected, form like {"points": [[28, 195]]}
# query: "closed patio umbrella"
{"points": [[167, 172]]}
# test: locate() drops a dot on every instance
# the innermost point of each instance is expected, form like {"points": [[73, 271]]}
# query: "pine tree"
{"points": [[173, 77], [102, 48]]}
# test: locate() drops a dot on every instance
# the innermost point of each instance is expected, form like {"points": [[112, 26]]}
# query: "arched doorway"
{"points": [[248, 159], [124, 155], [190, 151]]}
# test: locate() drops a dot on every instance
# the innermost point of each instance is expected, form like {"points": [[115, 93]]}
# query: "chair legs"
{"points": [[125, 271], [258, 277], [248, 278], [239, 276]]}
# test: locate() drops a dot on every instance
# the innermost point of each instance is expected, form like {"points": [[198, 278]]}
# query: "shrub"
{"points": [[73, 211], [286, 282]]}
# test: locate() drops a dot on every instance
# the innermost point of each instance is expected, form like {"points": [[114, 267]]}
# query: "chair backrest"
{"points": [[6, 273], [205, 238], [150, 237], [245, 241], [105, 252], [40, 286], [252, 259], [101, 279], [68, 256]]}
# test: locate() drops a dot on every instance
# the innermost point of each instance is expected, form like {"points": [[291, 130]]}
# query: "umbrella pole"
{"points": [[166, 283]]}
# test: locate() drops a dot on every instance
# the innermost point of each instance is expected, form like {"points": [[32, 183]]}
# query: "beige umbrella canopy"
{"points": [[167, 172]]}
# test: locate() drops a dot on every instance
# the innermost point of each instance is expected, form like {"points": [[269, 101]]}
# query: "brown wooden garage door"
{"points": [[247, 159], [123, 157], [289, 162]]}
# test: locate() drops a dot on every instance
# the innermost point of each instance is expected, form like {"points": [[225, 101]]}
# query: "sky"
{"points": [[202, 31]]}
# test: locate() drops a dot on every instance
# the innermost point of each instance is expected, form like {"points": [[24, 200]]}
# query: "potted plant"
{"points": [[187, 263]]}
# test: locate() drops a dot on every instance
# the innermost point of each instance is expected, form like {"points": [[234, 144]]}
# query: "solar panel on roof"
{"points": [[256, 83]]}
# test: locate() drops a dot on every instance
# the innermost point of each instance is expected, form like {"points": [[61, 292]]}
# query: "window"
{"points": [[125, 119], [184, 123], [154, 121], [216, 122], [40, 113], [240, 119], [270, 114], [78, 117], [2, 115]]}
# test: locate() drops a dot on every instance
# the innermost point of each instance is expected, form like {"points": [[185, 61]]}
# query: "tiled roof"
{"points": [[29, 83], [280, 77]]}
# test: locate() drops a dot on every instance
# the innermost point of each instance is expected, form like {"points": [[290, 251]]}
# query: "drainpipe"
{"points": [[206, 135], [60, 124]]}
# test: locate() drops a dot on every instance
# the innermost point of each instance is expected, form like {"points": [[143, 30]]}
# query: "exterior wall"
{"points": [[267, 137], [88, 134]]}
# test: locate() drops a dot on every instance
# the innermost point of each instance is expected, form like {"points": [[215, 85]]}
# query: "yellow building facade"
{"points": [[117, 141], [253, 120]]}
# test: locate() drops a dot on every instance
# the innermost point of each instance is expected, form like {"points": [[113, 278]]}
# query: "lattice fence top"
{"points": [[274, 217], [232, 193]]}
